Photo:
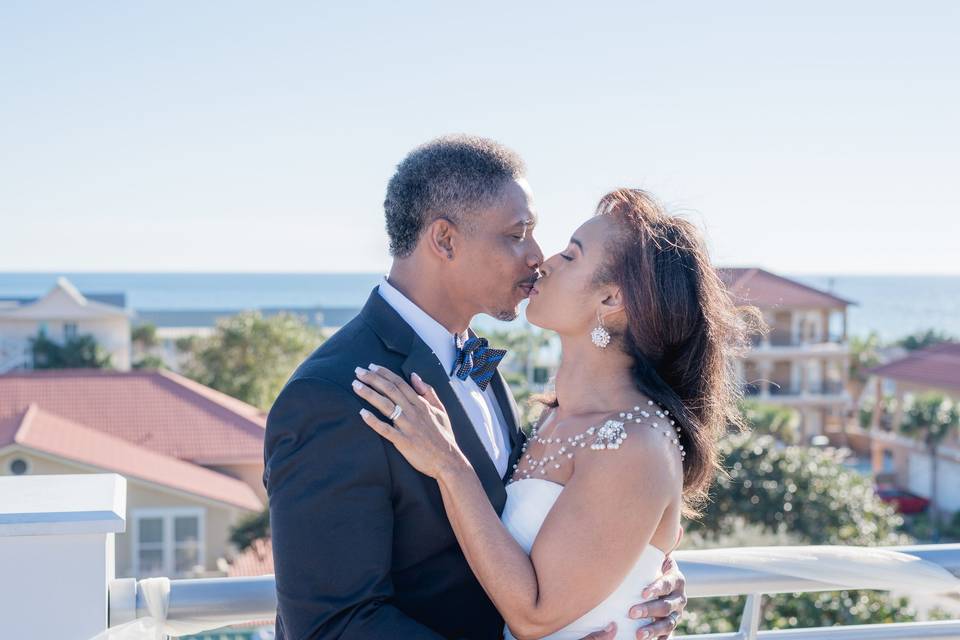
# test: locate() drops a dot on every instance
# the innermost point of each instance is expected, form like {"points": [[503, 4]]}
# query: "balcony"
{"points": [[783, 345], [827, 392], [56, 535], [823, 388]]}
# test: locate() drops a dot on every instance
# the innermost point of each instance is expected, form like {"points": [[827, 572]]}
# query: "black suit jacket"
{"points": [[361, 543]]}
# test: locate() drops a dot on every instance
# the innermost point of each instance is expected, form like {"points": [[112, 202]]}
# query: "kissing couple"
{"points": [[406, 501]]}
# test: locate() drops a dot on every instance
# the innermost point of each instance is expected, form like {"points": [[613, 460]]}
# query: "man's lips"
{"points": [[529, 288]]}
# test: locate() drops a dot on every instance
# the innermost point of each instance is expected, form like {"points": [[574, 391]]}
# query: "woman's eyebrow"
{"points": [[578, 243]]}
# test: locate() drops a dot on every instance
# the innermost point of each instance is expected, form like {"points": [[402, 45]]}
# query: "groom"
{"points": [[362, 547]]}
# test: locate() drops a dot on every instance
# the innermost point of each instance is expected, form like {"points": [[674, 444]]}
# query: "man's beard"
{"points": [[507, 315]]}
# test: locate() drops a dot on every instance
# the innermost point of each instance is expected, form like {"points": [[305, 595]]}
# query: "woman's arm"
{"points": [[601, 523]]}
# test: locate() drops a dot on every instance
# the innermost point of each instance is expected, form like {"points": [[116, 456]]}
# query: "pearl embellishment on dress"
{"points": [[610, 435]]}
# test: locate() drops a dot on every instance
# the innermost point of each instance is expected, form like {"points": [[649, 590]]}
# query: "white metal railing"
{"points": [[218, 602]]}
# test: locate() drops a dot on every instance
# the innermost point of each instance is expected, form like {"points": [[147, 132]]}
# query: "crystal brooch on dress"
{"points": [[610, 436]]}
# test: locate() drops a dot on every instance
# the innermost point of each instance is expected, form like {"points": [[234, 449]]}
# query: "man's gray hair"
{"points": [[451, 176]]}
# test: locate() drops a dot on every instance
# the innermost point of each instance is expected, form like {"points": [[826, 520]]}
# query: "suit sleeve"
{"points": [[331, 518]]}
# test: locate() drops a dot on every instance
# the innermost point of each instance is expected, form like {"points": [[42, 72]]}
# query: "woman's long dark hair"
{"points": [[682, 328]]}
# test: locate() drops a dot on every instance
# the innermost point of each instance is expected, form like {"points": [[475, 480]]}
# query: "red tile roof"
{"points": [[41, 430], [936, 366], [764, 289], [256, 560], [157, 410]]}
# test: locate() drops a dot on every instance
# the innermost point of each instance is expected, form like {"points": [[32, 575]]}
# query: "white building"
{"points": [[63, 313]]}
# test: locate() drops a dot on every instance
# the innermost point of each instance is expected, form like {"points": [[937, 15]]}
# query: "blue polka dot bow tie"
{"points": [[477, 360]]}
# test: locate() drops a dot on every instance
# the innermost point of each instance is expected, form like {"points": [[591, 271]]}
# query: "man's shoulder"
{"points": [[333, 362]]}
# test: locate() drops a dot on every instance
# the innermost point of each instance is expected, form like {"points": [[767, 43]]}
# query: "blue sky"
{"points": [[822, 137]]}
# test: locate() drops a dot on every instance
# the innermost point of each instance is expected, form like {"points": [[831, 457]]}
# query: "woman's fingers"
{"points": [[426, 391], [396, 381], [380, 426], [386, 388], [380, 402]]}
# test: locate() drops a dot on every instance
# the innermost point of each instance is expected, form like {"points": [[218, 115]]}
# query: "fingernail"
{"points": [[416, 377], [644, 635], [638, 613], [373, 367], [610, 627], [359, 371], [364, 413], [357, 385]]}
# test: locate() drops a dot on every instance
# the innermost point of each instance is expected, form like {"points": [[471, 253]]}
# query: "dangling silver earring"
{"points": [[600, 336]]}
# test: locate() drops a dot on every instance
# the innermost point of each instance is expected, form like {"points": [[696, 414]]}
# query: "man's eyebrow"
{"points": [[524, 223], [578, 243]]}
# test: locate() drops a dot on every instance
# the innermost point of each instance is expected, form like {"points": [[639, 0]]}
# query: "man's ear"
{"points": [[441, 238]]}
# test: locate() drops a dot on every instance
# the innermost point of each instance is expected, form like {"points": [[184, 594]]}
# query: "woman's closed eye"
{"points": [[566, 257]]}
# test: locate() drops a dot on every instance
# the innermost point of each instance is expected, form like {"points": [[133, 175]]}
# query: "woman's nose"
{"points": [[545, 268]]}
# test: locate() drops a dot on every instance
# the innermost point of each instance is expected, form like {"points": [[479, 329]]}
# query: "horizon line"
{"points": [[822, 273]]}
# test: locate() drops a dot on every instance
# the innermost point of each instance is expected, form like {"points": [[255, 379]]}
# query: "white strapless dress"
{"points": [[528, 503]]}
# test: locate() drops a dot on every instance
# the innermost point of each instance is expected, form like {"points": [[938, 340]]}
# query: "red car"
{"points": [[904, 501]]}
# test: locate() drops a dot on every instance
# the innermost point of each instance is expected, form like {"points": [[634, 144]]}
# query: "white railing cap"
{"points": [[62, 504]]}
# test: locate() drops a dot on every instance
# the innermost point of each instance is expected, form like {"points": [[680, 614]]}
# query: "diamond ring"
{"points": [[397, 410]]}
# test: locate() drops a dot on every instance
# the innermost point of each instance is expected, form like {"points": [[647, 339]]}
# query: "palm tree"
{"points": [[933, 417]]}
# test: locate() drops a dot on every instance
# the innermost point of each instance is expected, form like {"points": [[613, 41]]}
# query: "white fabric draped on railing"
{"points": [[154, 626]]}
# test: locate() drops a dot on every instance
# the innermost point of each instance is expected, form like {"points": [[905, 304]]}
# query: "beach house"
{"points": [[803, 361], [63, 314], [192, 457], [903, 461]]}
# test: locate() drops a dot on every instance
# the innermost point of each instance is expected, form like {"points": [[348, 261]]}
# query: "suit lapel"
{"points": [[508, 407], [400, 337], [510, 412], [424, 362]]}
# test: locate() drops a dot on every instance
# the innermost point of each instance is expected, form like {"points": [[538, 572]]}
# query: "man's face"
{"points": [[499, 260]]}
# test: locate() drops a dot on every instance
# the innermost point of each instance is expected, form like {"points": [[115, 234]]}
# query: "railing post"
{"points": [[750, 619], [57, 553]]}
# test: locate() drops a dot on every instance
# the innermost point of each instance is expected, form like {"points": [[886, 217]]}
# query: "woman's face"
{"points": [[565, 299]]}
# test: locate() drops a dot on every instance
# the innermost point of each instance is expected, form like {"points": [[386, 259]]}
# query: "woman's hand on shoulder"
{"points": [[421, 432]]}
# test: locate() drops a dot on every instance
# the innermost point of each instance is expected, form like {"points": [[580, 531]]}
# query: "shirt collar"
{"points": [[434, 334]]}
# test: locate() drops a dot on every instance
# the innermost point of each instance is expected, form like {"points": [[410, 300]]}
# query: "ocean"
{"points": [[894, 306]]}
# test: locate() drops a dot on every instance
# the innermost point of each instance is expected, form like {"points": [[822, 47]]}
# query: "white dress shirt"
{"points": [[481, 406]]}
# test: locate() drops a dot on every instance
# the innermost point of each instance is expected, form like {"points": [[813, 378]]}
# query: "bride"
{"points": [[624, 448]]}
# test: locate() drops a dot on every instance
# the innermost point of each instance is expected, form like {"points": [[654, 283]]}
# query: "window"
{"points": [[69, 331], [167, 542]]}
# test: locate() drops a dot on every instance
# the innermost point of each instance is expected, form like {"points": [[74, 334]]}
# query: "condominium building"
{"points": [[803, 360]]}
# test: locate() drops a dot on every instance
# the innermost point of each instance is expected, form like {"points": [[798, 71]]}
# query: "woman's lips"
{"points": [[529, 289]]}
